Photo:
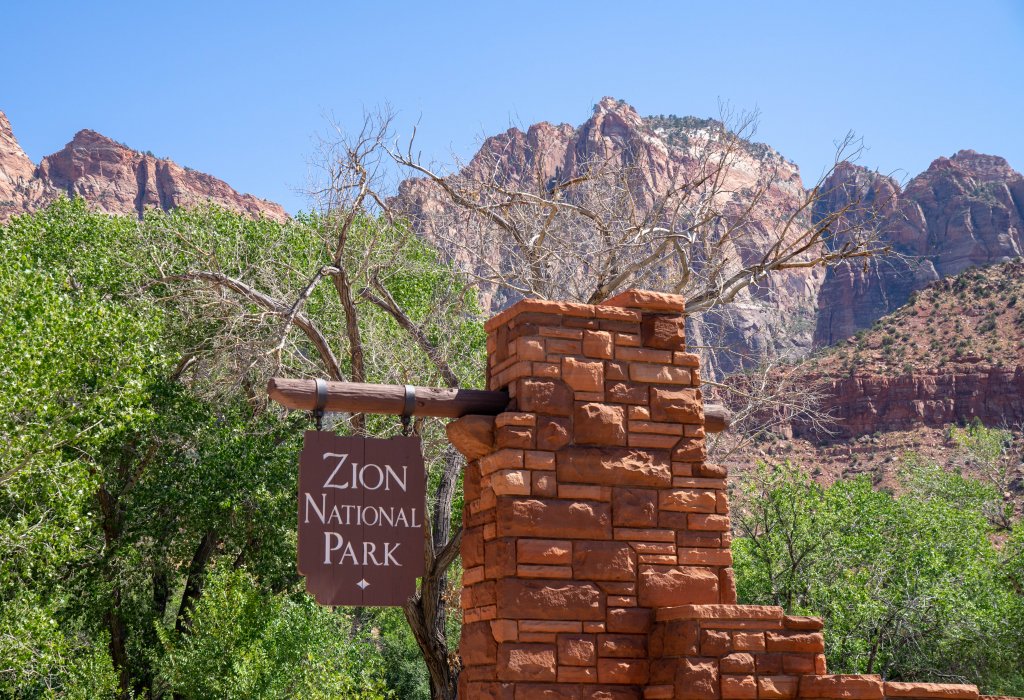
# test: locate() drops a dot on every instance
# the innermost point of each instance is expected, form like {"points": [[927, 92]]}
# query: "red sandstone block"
{"points": [[946, 691], [688, 500], [647, 426], [739, 687], [659, 692], [702, 540], [690, 450], [515, 418], [761, 625], [715, 643], [566, 674], [559, 332], [622, 646], [704, 557], [552, 433], [626, 392], [502, 459], [677, 405], [547, 518], [582, 374], [472, 575], [662, 586], [634, 507], [543, 571], [629, 620], [615, 372], [618, 587], [644, 535], [543, 484], [727, 584], [543, 551], [504, 630], [627, 340], [722, 505], [635, 354], [697, 679], [667, 332], [713, 471], [647, 300], [845, 687], [515, 437], [539, 460], [748, 641], [808, 642], [721, 612], [564, 346], [472, 547], [547, 370], [659, 374], [593, 627], [537, 637], [674, 638], [769, 664], [637, 413], [613, 466], [624, 601], [802, 622], [526, 662], [599, 424], [661, 442], [477, 644], [798, 664], [544, 396], [708, 523], [737, 662], [670, 559], [585, 492], [577, 650], [529, 348], [653, 547], [693, 431], [604, 561], [623, 671], [616, 312], [511, 482], [597, 344], [820, 664], [692, 482], [686, 359], [777, 687], [554, 626], [499, 558], [539, 598]]}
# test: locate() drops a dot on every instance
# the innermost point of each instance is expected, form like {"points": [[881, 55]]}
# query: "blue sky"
{"points": [[240, 89]]}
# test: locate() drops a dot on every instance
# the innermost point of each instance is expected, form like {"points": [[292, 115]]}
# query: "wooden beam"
{"points": [[353, 397]]}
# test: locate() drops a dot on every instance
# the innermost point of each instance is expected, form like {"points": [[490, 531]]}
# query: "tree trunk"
{"points": [[196, 576]]}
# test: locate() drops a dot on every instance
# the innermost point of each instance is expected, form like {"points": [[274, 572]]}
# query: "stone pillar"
{"points": [[596, 541], [588, 504]]}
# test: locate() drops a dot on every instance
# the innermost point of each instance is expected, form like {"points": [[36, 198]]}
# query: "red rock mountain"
{"points": [[777, 315], [963, 211], [113, 178]]}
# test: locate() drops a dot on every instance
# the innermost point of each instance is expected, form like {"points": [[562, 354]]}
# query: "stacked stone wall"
{"points": [[596, 544]]}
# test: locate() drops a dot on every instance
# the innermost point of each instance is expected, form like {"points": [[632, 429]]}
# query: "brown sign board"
{"points": [[361, 503]]}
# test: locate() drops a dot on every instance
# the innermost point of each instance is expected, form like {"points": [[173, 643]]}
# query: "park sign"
{"points": [[361, 503]]}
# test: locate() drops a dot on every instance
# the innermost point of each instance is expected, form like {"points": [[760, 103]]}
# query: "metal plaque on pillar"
{"points": [[361, 504]]}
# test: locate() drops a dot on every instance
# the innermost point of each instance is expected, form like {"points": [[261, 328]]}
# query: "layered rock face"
{"points": [[597, 545], [776, 315], [112, 178], [963, 211]]}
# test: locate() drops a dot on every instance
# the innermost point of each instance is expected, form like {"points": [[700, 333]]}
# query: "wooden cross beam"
{"points": [[353, 397]]}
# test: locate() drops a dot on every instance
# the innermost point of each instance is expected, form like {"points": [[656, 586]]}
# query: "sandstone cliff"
{"points": [[111, 177], [777, 315], [955, 353], [965, 210]]}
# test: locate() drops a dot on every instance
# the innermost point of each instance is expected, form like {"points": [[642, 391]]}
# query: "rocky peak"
{"points": [[980, 166], [113, 178]]}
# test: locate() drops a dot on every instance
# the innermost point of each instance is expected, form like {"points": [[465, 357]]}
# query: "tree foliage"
{"points": [[914, 586]]}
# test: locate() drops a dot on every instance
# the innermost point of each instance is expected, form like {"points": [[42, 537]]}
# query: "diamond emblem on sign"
{"points": [[363, 584]]}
